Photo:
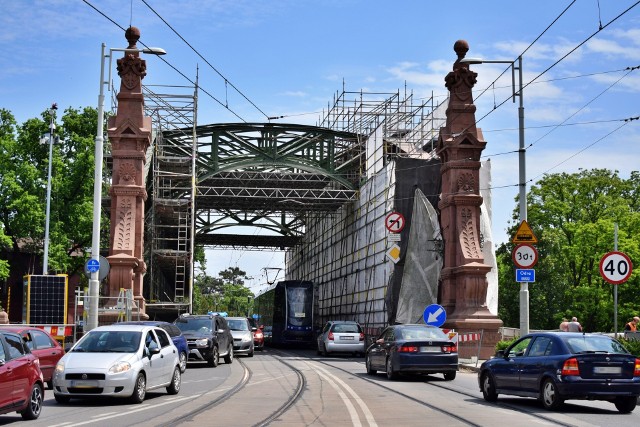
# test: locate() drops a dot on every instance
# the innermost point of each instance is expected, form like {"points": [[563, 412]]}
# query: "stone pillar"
{"points": [[463, 290], [130, 137]]}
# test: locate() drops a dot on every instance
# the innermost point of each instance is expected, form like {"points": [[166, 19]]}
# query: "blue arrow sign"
{"points": [[525, 275], [434, 315], [93, 265]]}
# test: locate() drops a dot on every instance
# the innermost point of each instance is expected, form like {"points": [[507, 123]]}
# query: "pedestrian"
{"points": [[574, 325], [564, 325], [632, 325]]}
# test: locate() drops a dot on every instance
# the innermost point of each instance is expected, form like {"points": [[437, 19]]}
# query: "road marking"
{"points": [[363, 406], [355, 419], [103, 417]]}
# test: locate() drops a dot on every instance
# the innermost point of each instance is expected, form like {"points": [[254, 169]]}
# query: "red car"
{"points": [[21, 384], [258, 335], [42, 345]]}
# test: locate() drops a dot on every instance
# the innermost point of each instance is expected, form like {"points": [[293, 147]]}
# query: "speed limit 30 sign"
{"points": [[615, 267], [524, 256]]}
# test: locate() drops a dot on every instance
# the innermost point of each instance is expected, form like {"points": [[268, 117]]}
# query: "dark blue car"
{"points": [[176, 336], [557, 366]]}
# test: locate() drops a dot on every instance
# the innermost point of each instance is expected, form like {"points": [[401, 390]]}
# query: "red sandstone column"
{"points": [[130, 137], [463, 289]]}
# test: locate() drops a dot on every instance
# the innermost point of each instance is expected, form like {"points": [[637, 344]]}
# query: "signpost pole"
{"points": [[615, 287]]}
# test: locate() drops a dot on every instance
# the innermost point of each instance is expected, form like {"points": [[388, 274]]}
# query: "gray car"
{"points": [[242, 335], [341, 336]]}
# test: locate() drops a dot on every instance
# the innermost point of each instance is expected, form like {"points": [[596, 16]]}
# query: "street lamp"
{"points": [[524, 286], [52, 128], [94, 282]]}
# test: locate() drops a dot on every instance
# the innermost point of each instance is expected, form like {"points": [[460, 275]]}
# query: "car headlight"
{"points": [[119, 367], [202, 342], [59, 367], [246, 338]]}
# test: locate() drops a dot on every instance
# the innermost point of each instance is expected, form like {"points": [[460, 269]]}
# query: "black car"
{"points": [[176, 336], [208, 337], [413, 349], [556, 366]]}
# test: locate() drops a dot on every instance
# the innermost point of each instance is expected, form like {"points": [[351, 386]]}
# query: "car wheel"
{"points": [[33, 409], [176, 381], [61, 398], [370, 370], [139, 389], [183, 362], [251, 353], [214, 360], [626, 405], [489, 388], [450, 375], [391, 374], [50, 384], [229, 357], [550, 397]]}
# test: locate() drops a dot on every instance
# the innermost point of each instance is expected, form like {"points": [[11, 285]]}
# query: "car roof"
{"points": [[237, 318], [18, 328], [121, 327], [342, 321]]}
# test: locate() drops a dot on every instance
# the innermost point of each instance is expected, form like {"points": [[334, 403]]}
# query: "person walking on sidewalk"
{"points": [[574, 325], [632, 326]]}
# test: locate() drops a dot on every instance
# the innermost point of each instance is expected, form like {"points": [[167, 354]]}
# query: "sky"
{"points": [[259, 59]]}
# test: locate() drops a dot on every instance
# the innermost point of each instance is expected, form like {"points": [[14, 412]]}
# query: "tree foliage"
{"points": [[225, 293], [23, 186], [573, 216]]}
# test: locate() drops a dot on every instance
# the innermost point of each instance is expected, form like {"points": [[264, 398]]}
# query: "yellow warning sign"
{"points": [[524, 234]]}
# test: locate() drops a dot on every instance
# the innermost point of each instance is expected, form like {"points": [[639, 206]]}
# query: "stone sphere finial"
{"points": [[461, 47], [132, 35]]}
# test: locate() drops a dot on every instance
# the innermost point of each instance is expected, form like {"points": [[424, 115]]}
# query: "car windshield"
{"points": [[109, 342], [421, 333], [194, 325], [594, 344], [346, 328], [238, 324]]}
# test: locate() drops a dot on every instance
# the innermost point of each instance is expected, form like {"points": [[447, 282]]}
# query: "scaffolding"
{"points": [[345, 252], [172, 194]]}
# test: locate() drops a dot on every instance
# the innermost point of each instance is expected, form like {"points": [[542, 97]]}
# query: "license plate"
{"points": [[430, 349], [347, 338], [84, 384], [607, 370]]}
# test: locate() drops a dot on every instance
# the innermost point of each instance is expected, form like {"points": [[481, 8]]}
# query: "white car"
{"points": [[341, 336], [118, 361]]}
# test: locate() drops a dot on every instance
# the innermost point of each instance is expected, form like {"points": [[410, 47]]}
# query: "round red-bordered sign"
{"points": [[616, 267], [524, 256], [394, 222]]}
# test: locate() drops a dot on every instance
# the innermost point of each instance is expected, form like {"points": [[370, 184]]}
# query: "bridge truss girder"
{"points": [[269, 176]]}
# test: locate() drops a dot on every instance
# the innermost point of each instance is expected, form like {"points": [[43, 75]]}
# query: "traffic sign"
{"points": [[93, 265], [394, 222], [615, 267], [524, 234], [434, 315], [393, 253], [525, 275], [524, 256]]}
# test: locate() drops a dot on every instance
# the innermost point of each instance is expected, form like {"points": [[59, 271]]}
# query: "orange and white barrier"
{"points": [[57, 330]]}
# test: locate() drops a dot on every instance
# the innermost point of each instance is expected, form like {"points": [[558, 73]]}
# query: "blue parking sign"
{"points": [[525, 275]]}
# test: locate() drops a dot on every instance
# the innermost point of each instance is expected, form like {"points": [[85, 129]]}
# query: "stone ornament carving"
{"points": [[127, 173], [124, 227], [466, 183], [468, 239]]}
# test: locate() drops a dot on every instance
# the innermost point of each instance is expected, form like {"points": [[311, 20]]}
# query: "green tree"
{"points": [[23, 183], [573, 216]]}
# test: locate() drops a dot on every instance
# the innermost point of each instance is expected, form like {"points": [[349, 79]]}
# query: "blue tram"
{"points": [[288, 308]]}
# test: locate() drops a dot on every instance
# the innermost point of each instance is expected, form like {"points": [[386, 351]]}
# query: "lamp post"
{"points": [[522, 183], [52, 128], [94, 282]]}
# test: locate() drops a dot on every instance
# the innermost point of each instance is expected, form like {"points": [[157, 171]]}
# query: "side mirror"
{"points": [[254, 329]]}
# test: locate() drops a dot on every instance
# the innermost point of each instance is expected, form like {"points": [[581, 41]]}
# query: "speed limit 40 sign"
{"points": [[615, 267]]}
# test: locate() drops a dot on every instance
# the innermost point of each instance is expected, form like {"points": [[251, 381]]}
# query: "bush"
{"points": [[632, 346], [502, 345]]}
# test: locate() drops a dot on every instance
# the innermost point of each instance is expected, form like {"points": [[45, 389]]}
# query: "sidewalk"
{"points": [[469, 365]]}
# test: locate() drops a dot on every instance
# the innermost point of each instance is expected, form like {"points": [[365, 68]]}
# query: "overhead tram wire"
{"points": [[226, 80], [169, 64]]}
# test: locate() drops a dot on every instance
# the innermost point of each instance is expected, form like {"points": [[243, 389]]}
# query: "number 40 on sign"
{"points": [[615, 267]]}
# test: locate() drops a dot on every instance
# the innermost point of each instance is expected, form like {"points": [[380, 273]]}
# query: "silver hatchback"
{"points": [[341, 336]]}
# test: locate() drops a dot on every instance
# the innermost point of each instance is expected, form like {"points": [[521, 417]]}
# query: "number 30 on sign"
{"points": [[615, 267]]}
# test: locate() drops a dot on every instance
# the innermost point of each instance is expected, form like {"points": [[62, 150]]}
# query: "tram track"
{"points": [[467, 421]]}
